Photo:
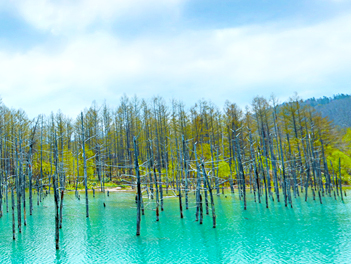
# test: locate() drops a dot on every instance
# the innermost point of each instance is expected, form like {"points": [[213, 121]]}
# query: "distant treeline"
{"points": [[159, 128], [273, 149], [326, 100], [337, 108]]}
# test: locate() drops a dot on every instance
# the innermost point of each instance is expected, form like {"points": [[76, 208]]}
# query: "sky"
{"points": [[65, 54]]}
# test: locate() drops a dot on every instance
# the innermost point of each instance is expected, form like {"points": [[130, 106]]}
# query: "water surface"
{"points": [[308, 233]]}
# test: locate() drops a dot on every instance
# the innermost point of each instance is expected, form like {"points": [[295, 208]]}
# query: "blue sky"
{"points": [[65, 54]]}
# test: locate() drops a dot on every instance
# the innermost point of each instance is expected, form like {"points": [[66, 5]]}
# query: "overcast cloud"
{"points": [[65, 54]]}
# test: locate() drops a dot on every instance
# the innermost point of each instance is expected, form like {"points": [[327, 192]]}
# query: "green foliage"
{"points": [[204, 151], [223, 169], [46, 166], [345, 162], [109, 135], [342, 152]]}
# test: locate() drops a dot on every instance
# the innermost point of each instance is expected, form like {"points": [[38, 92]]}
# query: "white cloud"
{"points": [[71, 16], [217, 64]]}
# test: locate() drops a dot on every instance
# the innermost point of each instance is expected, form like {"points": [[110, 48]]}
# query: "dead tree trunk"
{"points": [[211, 195], [13, 215], [138, 186], [57, 220], [85, 169]]}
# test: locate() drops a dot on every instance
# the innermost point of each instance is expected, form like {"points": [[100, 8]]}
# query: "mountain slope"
{"points": [[336, 108]]}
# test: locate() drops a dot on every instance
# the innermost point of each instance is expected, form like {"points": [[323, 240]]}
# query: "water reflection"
{"points": [[309, 232]]}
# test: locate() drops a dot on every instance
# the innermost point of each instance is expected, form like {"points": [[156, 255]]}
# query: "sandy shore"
{"points": [[114, 189], [117, 189]]}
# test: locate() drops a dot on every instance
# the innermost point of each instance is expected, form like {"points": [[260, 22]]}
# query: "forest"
{"points": [[336, 109], [153, 147]]}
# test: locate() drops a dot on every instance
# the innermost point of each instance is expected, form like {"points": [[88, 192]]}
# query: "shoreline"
{"points": [[120, 189], [110, 189]]}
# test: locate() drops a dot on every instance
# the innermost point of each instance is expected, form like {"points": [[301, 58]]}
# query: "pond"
{"points": [[308, 233]]}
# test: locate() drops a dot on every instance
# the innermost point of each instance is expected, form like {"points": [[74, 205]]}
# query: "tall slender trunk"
{"points": [[30, 180], [57, 217], [18, 192], [211, 195], [13, 215], [85, 169], [342, 198], [138, 186]]}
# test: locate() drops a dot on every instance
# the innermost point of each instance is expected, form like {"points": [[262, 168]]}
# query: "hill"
{"points": [[336, 108]]}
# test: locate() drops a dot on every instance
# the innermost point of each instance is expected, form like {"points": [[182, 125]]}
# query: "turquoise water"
{"points": [[308, 233]]}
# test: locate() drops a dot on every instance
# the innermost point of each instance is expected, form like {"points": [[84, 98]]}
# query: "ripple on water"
{"points": [[309, 233]]}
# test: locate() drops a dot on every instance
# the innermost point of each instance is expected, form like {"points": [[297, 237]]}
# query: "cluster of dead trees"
{"points": [[274, 151]]}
